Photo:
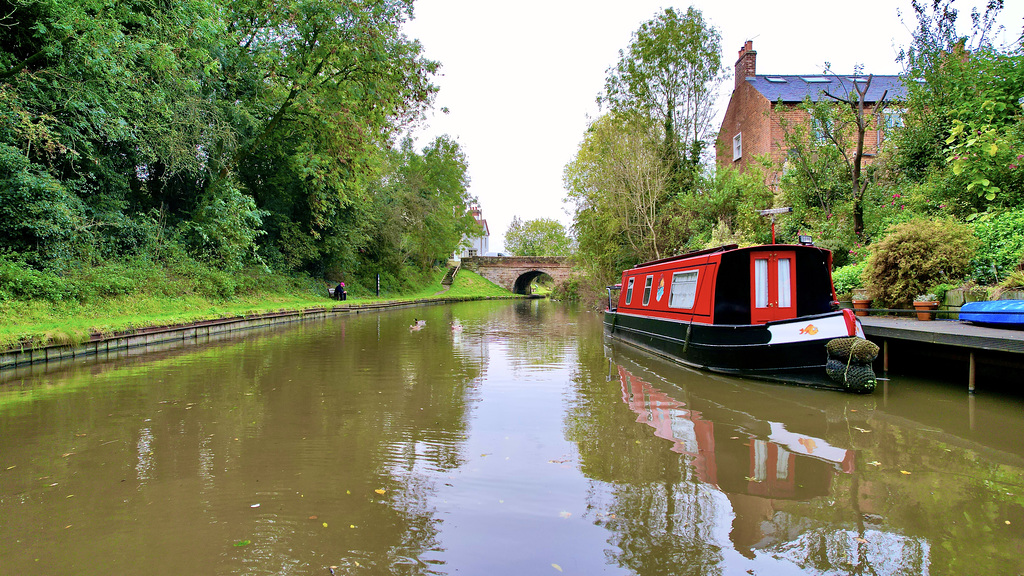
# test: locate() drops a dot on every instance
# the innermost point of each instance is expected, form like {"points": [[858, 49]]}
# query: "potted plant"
{"points": [[861, 302], [926, 304]]}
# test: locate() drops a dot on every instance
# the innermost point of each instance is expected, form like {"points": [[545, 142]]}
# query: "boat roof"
{"points": [[726, 248]]}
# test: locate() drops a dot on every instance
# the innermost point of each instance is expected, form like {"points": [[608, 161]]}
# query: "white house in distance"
{"points": [[475, 245]]}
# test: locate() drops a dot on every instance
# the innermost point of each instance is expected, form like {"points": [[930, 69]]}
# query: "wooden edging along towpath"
{"points": [[200, 330]]}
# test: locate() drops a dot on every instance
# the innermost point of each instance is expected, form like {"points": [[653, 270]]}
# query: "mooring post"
{"points": [[970, 376], [970, 409], [885, 356]]}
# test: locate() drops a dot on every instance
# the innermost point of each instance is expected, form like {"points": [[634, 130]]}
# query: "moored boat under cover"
{"points": [[1001, 313]]}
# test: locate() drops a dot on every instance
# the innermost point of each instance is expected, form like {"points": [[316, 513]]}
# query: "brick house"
{"points": [[751, 126]]}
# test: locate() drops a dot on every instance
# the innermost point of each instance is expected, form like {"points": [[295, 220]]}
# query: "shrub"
{"points": [[19, 281], [915, 256], [849, 277], [1002, 241]]}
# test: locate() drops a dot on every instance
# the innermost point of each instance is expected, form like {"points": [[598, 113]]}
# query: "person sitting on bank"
{"points": [[339, 291]]}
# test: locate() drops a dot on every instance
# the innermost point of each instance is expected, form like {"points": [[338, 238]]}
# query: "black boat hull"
{"points": [[792, 351]]}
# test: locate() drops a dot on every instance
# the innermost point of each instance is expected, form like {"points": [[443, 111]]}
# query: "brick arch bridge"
{"points": [[515, 273]]}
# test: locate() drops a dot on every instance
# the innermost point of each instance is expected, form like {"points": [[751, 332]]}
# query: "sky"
{"points": [[520, 79]]}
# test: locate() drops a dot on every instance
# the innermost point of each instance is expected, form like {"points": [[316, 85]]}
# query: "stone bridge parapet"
{"points": [[515, 273]]}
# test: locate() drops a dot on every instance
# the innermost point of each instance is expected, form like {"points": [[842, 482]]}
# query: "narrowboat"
{"points": [[768, 312]]}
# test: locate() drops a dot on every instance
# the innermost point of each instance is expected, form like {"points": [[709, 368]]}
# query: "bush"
{"points": [[19, 281], [915, 256], [1002, 239], [848, 278]]}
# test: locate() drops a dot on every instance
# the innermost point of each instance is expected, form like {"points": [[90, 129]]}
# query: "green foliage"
{"points": [[228, 129], [1001, 238], [569, 290], [670, 74], [848, 278], [915, 256], [539, 237], [224, 228], [963, 126]]}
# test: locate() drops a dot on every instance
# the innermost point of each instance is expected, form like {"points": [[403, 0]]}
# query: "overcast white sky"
{"points": [[520, 78]]}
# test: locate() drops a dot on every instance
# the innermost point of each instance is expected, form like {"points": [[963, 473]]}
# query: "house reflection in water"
{"points": [[754, 462]]}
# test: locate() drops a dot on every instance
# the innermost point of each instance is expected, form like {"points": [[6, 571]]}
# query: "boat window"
{"points": [[761, 282], [684, 290], [629, 291], [647, 289], [784, 292]]}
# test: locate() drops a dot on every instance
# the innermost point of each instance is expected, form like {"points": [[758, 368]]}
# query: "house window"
{"points": [[472, 252], [821, 129], [893, 118], [684, 290], [629, 291], [737, 146], [647, 289]]}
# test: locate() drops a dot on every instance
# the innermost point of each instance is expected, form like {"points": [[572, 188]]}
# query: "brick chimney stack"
{"points": [[746, 65]]}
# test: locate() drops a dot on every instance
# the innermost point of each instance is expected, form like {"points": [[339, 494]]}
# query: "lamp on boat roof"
{"points": [[772, 212], [805, 240]]}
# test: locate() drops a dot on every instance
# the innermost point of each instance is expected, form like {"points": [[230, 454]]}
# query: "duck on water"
{"points": [[768, 312]]}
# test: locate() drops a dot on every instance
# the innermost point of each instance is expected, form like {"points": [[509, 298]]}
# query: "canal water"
{"points": [[524, 443]]}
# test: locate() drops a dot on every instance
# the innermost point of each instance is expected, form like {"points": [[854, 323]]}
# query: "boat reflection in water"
{"points": [[777, 480]]}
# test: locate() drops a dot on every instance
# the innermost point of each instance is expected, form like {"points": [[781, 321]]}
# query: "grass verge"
{"points": [[41, 322]]}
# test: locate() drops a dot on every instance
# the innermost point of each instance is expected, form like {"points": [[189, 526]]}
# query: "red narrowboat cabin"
{"points": [[767, 312]]}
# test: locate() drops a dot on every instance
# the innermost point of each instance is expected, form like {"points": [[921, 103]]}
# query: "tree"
{"points": [[670, 73], [964, 126], [616, 182], [539, 237]]}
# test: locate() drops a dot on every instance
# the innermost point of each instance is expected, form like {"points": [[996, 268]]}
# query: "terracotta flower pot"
{"points": [[924, 310], [860, 307]]}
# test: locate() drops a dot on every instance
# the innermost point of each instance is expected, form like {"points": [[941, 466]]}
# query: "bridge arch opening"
{"points": [[524, 283]]}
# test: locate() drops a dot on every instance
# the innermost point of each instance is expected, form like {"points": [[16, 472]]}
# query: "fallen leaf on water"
{"points": [[484, 455], [257, 505], [380, 490], [312, 517], [351, 525], [734, 437], [861, 429], [325, 524], [874, 463], [861, 540], [12, 467], [853, 410], [565, 514], [241, 543], [904, 472], [556, 567], [1007, 522]]}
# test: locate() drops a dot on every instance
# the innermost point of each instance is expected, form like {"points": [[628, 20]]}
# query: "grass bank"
{"points": [[45, 321]]}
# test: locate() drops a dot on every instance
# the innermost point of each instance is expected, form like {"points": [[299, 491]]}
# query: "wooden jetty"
{"points": [[979, 343]]}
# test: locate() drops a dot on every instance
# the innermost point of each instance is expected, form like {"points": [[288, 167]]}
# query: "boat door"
{"points": [[773, 286]]}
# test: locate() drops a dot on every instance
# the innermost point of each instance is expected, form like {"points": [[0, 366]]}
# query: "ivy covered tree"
{"points": [[670, 73]]}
